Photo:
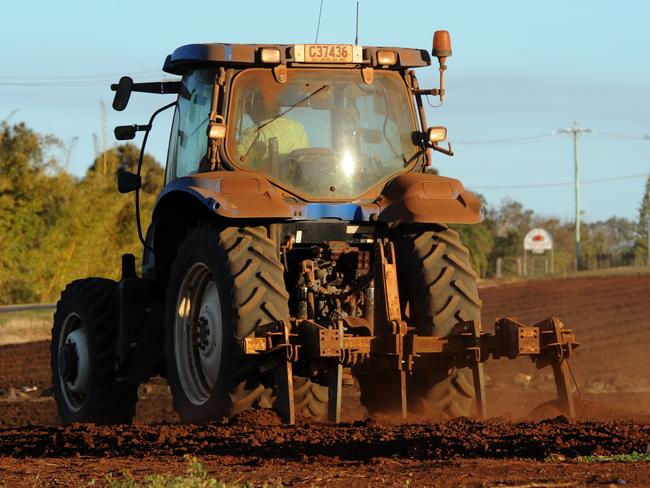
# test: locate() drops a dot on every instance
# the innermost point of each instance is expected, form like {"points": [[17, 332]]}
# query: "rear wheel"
{"points": [[439, 289], [224, 284], [83, 353]]}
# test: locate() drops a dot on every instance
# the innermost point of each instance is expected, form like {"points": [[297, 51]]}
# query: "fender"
{"points": [[230, 194], [408, 198], [427, 198]]}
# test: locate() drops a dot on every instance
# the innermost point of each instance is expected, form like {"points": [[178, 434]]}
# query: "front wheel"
{"points": [[83, 352]]}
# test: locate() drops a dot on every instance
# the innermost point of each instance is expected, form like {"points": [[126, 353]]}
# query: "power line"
{"points": [[64, 84], [512, 140], [558, 184], [550, 135], [62, 81], [74, 77], [628, 137]]}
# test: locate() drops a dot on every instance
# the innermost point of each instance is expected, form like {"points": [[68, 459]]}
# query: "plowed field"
{"points": [[527, 445]]}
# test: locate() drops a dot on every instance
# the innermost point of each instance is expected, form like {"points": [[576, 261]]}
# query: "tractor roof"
{"points": [[242, 55]]}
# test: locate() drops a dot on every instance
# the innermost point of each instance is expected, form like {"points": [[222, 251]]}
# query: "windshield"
{"points": [[323, 133]]}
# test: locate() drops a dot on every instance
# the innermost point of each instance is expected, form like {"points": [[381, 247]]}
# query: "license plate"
{"points": [[326, 53]]}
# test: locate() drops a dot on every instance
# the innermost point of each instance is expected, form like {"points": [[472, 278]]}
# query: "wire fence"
{"points": [[30, 307]]}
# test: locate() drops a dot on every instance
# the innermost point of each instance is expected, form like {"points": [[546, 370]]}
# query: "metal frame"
{"points": [[394, 349]]}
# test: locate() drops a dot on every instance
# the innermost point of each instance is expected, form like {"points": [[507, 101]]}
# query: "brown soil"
{"points": [[611, 318]]}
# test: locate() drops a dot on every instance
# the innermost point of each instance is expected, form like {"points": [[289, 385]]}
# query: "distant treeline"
{"points": [[604, 244], [55, 227]]}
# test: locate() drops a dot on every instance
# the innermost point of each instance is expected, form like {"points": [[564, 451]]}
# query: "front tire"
{"points": [[83, 354]]}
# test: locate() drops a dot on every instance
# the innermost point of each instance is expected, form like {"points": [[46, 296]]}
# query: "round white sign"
{"points": [[538, 241]]}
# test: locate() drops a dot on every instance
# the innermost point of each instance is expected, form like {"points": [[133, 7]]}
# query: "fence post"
{"points": [[552, 263], [499, 265]]}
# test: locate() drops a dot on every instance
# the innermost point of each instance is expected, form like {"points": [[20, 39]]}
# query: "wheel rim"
{"points": [[198, 334], [74, 363]]}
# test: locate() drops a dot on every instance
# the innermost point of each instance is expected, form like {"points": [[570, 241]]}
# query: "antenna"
{"points": [[320, 12], [356, 36]]}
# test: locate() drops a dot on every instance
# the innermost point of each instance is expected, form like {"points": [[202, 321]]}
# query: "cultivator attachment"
{"points": [[548, 343], [395, 351]]}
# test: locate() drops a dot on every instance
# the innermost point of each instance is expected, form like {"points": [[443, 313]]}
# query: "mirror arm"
{"points": [[413, 84], [433, 92], [139, 170], [160, 87], [448, 151], [140, 128]]}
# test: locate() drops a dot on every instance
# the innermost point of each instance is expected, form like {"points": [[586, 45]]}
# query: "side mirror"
{"points": [[122, 93], [216, 131], [127, 181], [125, 132], [436, 134]]}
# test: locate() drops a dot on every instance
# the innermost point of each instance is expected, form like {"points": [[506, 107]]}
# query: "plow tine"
{"points": [[402, 380], [479, 389], [561, 375], [335, 391], [335, 380], [285, 404], [559, 345]]}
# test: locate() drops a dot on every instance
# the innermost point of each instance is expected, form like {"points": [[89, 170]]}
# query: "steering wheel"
{"points": [[312, 168]]}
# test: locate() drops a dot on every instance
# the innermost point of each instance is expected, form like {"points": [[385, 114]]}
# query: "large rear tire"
{"points": [[83, 356], [438, 288], [224, 284]]}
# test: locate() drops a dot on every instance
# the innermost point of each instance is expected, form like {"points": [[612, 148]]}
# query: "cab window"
{"points": [[188, 146], [324, 133]]}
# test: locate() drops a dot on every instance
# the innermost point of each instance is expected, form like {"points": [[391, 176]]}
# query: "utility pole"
{"points": [[575, 132], [648, 222]]}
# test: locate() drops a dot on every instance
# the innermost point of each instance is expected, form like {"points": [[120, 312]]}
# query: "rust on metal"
{"points": [[330, 342], [388, 273], [415, 197], [255, 345]]}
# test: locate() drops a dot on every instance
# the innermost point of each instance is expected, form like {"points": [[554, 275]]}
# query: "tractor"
{"points": [[300, 239]]}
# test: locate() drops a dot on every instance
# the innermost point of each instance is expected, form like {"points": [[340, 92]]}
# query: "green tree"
{"points": [[100, 222], [479, 238], [33, 189], [55, 228], [480, 241], [641, 244]]}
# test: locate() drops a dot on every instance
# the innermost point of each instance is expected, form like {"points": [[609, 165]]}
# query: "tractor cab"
{"points": [[320, 122]]}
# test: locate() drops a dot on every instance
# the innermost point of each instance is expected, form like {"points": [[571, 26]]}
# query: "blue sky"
{"points": [[519, 69]]}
